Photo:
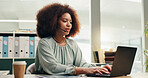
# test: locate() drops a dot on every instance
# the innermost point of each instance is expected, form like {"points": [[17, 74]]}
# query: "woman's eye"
{"points": [[64, 21]]}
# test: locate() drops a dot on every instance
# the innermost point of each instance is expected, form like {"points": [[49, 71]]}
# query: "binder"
{"points": [[21, 46], [36, 43], [10, 46], [26, 46], [5, 46], [31, 46], [16, 52], [1, 45]]}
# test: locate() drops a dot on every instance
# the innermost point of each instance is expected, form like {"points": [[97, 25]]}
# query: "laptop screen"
{"points": [[123, 60]]}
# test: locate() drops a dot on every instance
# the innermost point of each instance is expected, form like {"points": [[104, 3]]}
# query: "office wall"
{"points": [[8, 26]]}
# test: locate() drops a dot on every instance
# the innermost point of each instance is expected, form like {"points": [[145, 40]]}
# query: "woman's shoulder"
{"points": [[46, 40], [71, 42]]}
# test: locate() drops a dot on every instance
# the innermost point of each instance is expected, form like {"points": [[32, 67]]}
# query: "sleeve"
{"points": [[79, 60], [49, 63]]}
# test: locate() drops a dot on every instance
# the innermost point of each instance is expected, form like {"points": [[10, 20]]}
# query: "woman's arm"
{"points": [[93, 70], [85, 68]]}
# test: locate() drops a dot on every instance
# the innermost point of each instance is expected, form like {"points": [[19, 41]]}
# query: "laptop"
{"points": [[122, 64]]}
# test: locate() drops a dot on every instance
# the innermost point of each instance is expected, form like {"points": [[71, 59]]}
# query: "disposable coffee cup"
{"points": [[19, 69]]}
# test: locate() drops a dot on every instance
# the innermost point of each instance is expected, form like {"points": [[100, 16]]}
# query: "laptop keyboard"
{"points": [[102, 74], [97, 75]]}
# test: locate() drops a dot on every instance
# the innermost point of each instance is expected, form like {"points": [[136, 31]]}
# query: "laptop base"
{"points": [[102, 75]]}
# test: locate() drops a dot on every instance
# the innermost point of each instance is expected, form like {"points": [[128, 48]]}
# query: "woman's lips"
{"points": [[67, 30]]}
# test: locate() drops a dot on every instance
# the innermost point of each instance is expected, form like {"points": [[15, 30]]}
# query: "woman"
{"points": [[56, 53]]}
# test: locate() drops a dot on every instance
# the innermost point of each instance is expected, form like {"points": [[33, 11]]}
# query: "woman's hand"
{"points": [[109, 67], [96, 70], [93, 70]]}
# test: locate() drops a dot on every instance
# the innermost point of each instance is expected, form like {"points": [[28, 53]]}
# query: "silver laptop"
{"points": [[122, 64]]}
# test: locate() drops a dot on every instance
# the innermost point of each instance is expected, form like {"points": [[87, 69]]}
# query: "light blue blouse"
{"points": [[54, 59]]}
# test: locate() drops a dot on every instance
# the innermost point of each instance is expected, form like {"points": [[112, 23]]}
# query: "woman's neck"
{"points": [[59, 38]]}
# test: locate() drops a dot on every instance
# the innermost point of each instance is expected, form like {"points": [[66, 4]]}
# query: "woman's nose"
{"points": [[69, 24]]}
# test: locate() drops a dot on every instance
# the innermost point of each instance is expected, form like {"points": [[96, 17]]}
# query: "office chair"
{"points": [[30, 69]]}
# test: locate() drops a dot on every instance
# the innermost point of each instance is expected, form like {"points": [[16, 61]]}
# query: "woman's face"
{"points": [[65, 23]]}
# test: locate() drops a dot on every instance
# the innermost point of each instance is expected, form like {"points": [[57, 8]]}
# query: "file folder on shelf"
{"points": [[21, 46], [26, 50], [36, 43], [1, 45], [10, 46], [31, 46], [16, 52], [5, 46]]}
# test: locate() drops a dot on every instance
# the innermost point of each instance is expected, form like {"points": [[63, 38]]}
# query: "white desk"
{"points": [[4, 72], [137, 75]]}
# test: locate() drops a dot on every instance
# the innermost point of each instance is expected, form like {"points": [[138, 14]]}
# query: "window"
{"points": [[121, 25]]}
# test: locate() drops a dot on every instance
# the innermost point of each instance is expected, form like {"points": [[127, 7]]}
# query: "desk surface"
{"points": [[137, 75], [4, 72]]}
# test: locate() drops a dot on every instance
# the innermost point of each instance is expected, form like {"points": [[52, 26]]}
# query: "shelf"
{"points": [[26, 21], [18, 34], [6, 62], [17, 57]]}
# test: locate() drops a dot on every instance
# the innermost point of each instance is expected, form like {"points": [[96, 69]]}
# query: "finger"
{"points": [[108, 67], [105, 72], [98, 71], [105, 69]]}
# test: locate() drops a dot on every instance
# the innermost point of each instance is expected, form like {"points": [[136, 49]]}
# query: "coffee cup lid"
{"points": [[19, 63]]}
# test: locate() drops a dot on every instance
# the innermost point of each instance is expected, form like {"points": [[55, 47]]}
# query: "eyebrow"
{"points": [[66, 19]]}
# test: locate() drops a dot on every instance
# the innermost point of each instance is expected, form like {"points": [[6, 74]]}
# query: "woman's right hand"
{"points": [[94, 70]]}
